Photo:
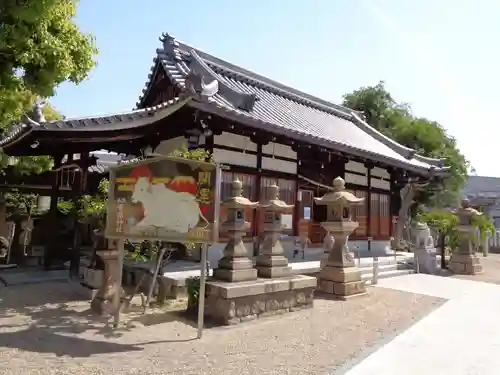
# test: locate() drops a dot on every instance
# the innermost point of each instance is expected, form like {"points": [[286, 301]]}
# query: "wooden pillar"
{"points": [[299, 205], [369, 167], [395, 198], [297, 210], [338, 163], [258, 179], [209, 143], [78, 189], [53, 217], [391, 205]]}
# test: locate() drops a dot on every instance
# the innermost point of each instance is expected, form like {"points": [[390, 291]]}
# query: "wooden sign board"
{"points": [[164, 198]]}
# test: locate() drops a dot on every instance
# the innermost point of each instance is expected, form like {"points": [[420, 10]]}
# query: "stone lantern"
{"points": [[235, 294], [235, 265], [271, 261], [107, 277], [339, 275], [464, 260]]}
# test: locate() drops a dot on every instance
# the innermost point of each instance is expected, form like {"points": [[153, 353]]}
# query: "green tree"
{"points": [[445, 222], [40, 47], [199, 154], [428, 138], [21, 204]]}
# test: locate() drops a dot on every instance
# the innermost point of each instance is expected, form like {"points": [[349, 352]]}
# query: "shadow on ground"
{"points": [[51, 320], [40, 340]]}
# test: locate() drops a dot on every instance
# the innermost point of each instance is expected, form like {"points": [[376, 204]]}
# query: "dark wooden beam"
{"points": [[50, 248], [369, 167], [258, 182]]}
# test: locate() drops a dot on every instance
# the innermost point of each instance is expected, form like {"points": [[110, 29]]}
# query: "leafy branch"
{"points": [[446, 223]]}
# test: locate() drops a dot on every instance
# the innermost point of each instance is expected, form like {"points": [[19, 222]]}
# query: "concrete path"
{"points": [[462, 337]]}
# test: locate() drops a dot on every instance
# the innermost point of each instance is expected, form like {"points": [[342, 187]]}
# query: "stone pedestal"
{"points": [[424, 252], [465, 264], [233, 303], [235, 265], [427, 261], [464, 260], [104, 296], [339, 275], [271, 261]]}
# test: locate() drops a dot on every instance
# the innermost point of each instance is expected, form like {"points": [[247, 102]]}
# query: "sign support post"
{"points": [[201, 296], [117, 300], [141, 193]]}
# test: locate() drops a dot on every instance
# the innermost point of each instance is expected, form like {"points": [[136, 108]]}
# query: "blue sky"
{"points": [[439, 56]]}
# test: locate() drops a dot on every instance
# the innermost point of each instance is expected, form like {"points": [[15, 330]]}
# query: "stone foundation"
{"points": [[175, 288], [465, 264], [426, 259], [236, 302], [342, 282]]}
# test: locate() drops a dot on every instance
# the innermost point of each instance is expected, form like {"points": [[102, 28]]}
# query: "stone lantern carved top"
{"points": [[466, 210], [237, 200], [339, 195], [274, 203]]}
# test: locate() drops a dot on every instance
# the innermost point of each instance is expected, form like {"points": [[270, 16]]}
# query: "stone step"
{"points": [[312, 267], [385, 268], [367, 277]]}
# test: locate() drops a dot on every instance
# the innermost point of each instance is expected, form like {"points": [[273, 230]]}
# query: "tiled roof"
{"points": [[131, 119], [105, 160], [261, 102], [219, 87], [482, 187]]}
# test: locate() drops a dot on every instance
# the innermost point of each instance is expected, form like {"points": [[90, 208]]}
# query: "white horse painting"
{"points": [[165, 208]]}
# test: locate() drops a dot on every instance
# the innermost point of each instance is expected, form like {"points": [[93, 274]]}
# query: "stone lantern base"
{"points": [[341, 281], [465, 264], [104, 296], [229, 303], [274, 268], [235, 265], [339, 275]]}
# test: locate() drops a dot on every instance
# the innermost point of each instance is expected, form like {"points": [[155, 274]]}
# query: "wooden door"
{"points": [[305, 213]]}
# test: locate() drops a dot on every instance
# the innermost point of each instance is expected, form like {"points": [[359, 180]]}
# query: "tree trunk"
{"points": [[407, 199]]}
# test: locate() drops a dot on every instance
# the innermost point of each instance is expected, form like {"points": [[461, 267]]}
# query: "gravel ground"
{"points": [[491, 268], [43, 330]]}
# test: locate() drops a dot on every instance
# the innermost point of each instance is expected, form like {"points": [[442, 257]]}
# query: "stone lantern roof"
{"points": [[237, 200], [274, 203], [466, 209], [339, 195]]}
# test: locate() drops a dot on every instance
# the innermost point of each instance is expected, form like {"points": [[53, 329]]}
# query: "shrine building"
{"points": [[262, 131]]}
